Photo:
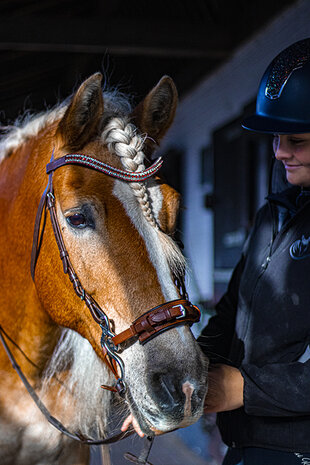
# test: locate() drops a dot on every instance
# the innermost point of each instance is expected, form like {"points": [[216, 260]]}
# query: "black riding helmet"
{"points": [[283, 99]]}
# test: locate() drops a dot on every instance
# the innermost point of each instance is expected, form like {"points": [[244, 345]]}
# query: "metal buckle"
{"points": [[183, 311], [107, 340], [50, 199]]}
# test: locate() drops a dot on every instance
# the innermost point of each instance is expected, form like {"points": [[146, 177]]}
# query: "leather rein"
{"points": [[153, 322]]}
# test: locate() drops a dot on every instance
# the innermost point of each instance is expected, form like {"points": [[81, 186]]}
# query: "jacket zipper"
{"points": [[273, 235], [277, 234], [264, 265]]}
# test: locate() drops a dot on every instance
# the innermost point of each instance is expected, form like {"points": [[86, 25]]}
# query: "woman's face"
{"points": [[294, 152]]}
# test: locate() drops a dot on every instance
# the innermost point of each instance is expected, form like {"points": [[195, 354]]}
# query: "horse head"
{"points": [[119, 237]]}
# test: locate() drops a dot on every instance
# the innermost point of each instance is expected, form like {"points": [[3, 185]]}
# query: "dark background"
{"points": [[48, 47]]}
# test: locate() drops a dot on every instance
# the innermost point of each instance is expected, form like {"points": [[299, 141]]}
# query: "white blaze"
{"points": [[149, 234]]}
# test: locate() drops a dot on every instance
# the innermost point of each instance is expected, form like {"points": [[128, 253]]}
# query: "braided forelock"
{"points": [[123, 139]]}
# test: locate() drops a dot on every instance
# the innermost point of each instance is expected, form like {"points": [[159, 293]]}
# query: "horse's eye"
{"points": [[77, 220]]}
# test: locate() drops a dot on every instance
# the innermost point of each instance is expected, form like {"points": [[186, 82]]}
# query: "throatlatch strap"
{"points": [[36, 242]]}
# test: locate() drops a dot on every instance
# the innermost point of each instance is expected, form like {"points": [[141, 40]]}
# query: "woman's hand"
{"points": [[130, 420], [225, 391]]}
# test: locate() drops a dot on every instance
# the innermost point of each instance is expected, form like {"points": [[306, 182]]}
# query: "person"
{"points": [[258, 339]]}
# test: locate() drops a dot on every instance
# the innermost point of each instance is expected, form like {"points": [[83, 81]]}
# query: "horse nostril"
{"points": [[167, 390]]}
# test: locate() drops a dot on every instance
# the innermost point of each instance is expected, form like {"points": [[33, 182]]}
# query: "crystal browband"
{"points": [[93, 163]]}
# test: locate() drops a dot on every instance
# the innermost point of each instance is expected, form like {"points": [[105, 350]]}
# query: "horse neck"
{"points": [[22, 181]]}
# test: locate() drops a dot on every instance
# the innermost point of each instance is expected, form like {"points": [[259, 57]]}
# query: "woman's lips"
{"points": [[292, 167]]}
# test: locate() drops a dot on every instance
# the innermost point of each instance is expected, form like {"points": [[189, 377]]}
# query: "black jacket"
{"points": [[262, 326]]}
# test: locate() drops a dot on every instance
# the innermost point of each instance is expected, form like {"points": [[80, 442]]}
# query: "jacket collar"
{"points": [[292, 198]]}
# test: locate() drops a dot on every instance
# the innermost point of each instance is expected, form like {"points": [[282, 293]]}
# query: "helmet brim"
{"points": [[264, 124]]}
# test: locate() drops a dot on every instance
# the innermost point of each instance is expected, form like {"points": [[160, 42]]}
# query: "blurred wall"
{"points": [[219, 99]]}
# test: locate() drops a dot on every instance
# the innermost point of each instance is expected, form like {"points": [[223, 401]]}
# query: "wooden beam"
{"points": [[98, 36], [113, 50]]}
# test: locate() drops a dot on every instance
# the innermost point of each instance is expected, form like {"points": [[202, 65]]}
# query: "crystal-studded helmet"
{"points": [[283, 99]]}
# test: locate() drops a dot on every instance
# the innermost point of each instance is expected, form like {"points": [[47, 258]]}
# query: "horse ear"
{"points": [[155, 114], [82, 117]]}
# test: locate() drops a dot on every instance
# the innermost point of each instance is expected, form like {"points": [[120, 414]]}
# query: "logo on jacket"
{"points": [[300, 248]]}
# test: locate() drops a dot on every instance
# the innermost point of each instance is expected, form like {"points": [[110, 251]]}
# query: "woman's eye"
{"points": [[77, 220], [275, 143]]}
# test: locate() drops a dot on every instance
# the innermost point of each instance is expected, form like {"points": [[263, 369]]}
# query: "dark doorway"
{"points": [[241, 172]]}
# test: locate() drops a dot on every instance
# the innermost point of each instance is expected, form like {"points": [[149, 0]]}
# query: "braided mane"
{"points": [[122, 139]]}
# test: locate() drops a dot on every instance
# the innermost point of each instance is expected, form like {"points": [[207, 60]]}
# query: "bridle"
{"points": [[153, 322], [147, 326]]}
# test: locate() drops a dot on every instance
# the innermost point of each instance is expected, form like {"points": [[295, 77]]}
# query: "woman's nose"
{"points": [[281, 149]]}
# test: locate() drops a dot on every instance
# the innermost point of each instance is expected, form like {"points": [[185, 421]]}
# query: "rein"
{"points": [[144, 328], [44, 410]]}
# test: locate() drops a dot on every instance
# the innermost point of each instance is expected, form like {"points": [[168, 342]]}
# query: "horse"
{"points": [[116, 219]]}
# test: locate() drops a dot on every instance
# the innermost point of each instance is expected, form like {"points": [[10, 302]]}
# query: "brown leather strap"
{"points": [[158, 319], [36, 241]]}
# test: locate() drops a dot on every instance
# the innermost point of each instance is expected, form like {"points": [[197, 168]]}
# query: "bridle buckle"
{"points": [[182, 310]]}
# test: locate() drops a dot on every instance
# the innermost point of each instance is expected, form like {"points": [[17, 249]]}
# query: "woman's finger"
{"points": [[130, 420]]}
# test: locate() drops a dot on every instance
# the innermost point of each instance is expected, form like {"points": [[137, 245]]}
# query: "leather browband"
{"points": [[98, 165]]}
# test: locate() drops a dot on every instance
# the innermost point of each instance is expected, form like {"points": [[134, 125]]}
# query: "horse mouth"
{"points": [[158, 420], [155, 426]]}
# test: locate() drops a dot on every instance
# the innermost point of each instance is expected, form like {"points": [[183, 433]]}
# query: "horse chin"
{"points": [[166, 427], [156, 425], [162, 425]]}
